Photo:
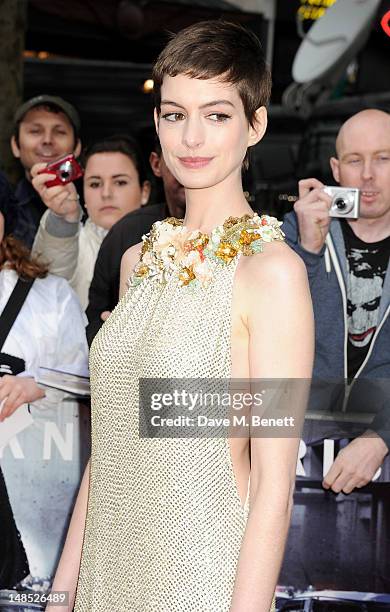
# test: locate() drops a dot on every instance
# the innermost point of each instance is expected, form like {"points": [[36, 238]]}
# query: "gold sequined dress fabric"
{"points": [[165, 521]]}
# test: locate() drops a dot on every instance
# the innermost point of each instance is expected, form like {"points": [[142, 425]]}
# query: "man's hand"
{"points": [[312, 210], [15, 391], [63, 200], [356, 464]]}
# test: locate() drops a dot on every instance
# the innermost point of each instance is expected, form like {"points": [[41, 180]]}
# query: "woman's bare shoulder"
{"points": [[277, 263], [129, 260], [131, 257]]}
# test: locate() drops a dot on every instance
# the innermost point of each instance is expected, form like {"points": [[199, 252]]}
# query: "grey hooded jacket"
{"points": [[369, 391]]}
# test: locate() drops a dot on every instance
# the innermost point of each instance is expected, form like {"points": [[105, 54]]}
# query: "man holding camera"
{"points": [[347, 264], [46, 129]]}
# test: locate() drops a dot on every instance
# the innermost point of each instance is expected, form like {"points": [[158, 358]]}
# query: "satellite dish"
{"points": [[333, 41]]}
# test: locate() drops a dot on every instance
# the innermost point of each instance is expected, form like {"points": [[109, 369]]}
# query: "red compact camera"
{"points": [[66, 170]]}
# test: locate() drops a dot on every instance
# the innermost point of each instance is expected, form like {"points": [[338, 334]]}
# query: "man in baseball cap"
{"points": [[45, 129]]}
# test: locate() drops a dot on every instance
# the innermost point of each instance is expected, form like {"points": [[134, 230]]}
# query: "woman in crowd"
{"points": [[41, 324], [115, 183], [187, 523]]}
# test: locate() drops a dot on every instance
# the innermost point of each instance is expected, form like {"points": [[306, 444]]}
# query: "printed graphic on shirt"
{"points": [[366, 276], [367, 265]]}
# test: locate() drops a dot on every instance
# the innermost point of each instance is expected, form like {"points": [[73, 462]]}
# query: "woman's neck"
{"points": [[209, 207]]}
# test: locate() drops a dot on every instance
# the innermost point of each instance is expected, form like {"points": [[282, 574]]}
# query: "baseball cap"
{"points": [[60, 103]]}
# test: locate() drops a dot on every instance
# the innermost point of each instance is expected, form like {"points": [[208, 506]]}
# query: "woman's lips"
{"points": [[195, 162]]}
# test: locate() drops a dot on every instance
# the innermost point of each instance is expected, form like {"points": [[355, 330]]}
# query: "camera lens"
{"points": [[65, 171], [340, 203]]}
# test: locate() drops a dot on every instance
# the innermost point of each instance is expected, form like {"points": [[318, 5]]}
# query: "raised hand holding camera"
{"points": [[312, 210], [66, 170], [53, 183], [316, 206]]}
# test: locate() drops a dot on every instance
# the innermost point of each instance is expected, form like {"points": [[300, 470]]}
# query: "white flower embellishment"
{"points": [[171, 249]]}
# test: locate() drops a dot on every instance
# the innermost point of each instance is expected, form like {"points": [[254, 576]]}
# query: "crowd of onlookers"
{"points": [[65, 227]]}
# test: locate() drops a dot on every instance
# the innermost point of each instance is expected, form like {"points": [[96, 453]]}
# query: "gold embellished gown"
{"points": [[165, 521]]}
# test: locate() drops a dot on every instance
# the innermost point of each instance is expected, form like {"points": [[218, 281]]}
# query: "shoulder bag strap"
{"points": [[13, 307]]}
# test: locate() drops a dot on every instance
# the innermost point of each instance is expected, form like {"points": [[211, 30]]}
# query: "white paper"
{"points": [[14, 424]]}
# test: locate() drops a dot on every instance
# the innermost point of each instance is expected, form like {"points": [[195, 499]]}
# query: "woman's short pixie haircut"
{"points": [[217, 50]]}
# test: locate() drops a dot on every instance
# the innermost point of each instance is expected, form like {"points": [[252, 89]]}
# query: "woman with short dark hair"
{"points": [[186, 519]]}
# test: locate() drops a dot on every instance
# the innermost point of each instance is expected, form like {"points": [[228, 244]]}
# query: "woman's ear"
{"points": [[257, 130]]}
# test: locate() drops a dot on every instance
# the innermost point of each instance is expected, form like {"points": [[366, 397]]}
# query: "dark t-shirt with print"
{"points": [[367, 265]]}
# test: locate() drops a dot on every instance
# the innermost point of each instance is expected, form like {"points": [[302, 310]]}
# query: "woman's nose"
{"points": [[193, 133], [106, 190]]}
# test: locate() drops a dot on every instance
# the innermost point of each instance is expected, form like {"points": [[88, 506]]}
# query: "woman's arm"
{"points": [[278, 314], [68, 568]]}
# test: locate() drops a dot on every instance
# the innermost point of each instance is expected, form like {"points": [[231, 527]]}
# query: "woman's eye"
{"points": [[218, 117], [173, 117], [121, 182], [94, 185]]}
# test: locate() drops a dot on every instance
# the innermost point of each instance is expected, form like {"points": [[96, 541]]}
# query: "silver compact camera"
{"points": [[345, 202]]}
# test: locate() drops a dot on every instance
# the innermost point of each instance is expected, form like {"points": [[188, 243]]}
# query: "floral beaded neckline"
{"points": [[170, 249]]}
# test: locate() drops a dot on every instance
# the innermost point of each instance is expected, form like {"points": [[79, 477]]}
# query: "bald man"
{"points": [[347, 264]]}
